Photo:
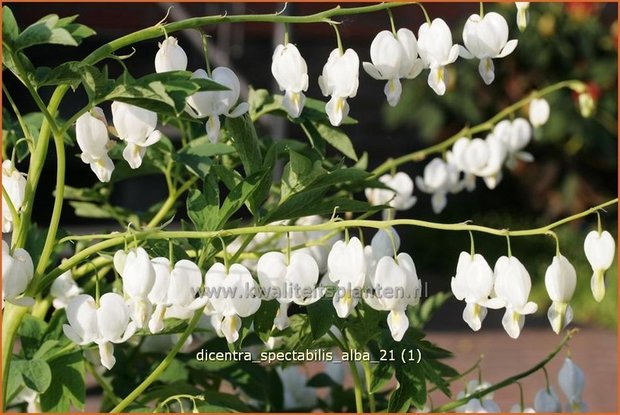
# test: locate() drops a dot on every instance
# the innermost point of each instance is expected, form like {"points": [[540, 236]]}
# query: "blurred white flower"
{"points": [[340, 79], [523, 14], [437, 51], [572, 382], [486, 38], [439, 178], [17, 272], [14, 183], [136, 126], [212, 104], [560, 281], [399, 196], [486, 404], [296, 394], [291, 72], [382, 244], [63, 289], [546, 400], [478, 157], [516, 135], [170, 56], [600, 249], [91, 133], [539, 112]]}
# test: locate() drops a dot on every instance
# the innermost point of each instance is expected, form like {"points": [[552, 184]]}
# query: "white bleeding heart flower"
{"points": [[296, 394], [136, 126], [518, 409], [512, 286], [473, 283], [232, 294], [539, 112], [393, 57], [291, 72], [346, 266], [382, 244], [91, 133], [340, 79], [560, 281], [486, 38], [104, 325], [170, 56], [31, 398], [546, 400], [486, 404], [399, 196], [439, 178], [173, 287], [600, 249], [17, 272], [291, 281], [14, 183], [572, 382], [319, 247], [437, 51], [478, 157], [523, 14], [63, 289], [138, 275], [516, 135], [212, 104], [396, 286]]}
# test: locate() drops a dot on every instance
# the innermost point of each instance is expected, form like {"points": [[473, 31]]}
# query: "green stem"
{"points": [[107, 388], [368, 376], [11, 318], [357, 383], [161, 367], [508, 381], [18, 114], [469, 131]]}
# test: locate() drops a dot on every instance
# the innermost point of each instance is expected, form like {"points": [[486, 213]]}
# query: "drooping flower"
{"points": [[340, 79], [382, 244], [437, 51], [32, 399], [516, 135], [396, 286], [346, 266], [296, 394], [523, 14], [546, 400], [560, 281], [399, 196], [226, 308], [91, 133], [572, 382], [212, 104], [393, 57], [104, 325], [478, 157], [17, 272], [291, 72], [14, 183], [136, 126], [512, 286], [173, 287], [539, 112], [63, 289], [170, 56], [138, 275], [519, 409], [486, 404], [486, 38], [600, 249], [473, 282], [439, 178], [288, 281]]}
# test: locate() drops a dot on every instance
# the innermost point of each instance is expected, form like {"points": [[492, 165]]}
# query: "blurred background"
{"points": [[575, 166]]}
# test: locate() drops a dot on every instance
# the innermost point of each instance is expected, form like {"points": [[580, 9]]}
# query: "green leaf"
{"points": [[422, 314], [312, 202], [95, 81], [197, 155], [51, 29], [263, 319], [31, 333], [67, 73], [337, 139], [381, 375], [67, 388], [245, 141], [203, 208], [400, 399], [10, 29], [238, 196], [298, 174], [322, 316], [322, 380], [37, 375]]}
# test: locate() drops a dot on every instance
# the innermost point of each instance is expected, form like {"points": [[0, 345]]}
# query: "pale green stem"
{"points": [[11, 206], [107, 388], [508, 381], [20, 119], [368, 376], [357, 383], [161, 367]]}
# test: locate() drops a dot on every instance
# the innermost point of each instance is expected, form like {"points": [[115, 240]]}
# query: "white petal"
{"points": [[486, 70], [134, 154], [509, 48], [230, 328], [106, 353], [398, 322], [437, 80], [392, 91]]}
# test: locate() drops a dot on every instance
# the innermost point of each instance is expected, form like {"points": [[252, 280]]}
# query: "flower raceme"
{"points": [[91, 133], [212, 104], [170, 56], [486, 38], [291, 72], [14, 183], [560, 281], [340, 80], [136, 126], [393, 56], [17, 272], [600, 249], [437, 51], [105, 323]]}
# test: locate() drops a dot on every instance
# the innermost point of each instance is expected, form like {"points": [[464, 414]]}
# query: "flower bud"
{"points": [[523, 14], [539, 112], [587, 105], [560, 281], [170, 56]]}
